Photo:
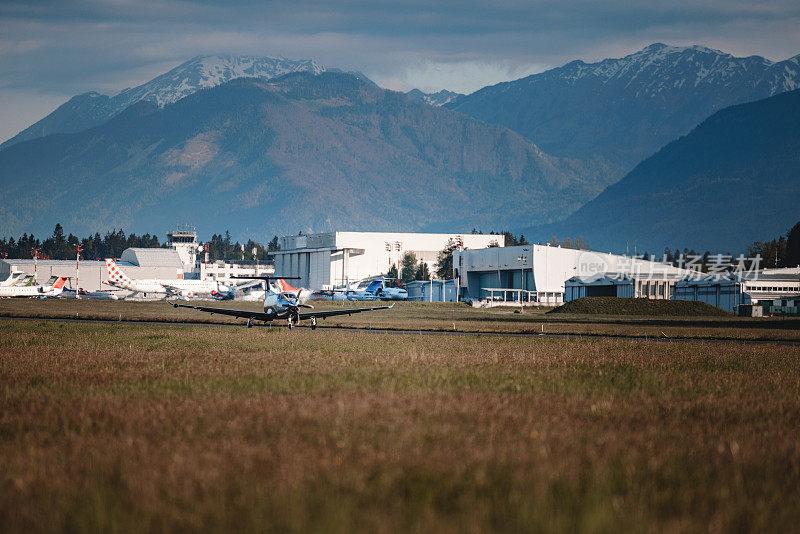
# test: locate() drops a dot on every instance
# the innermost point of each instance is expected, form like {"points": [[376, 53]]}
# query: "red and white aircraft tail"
{"points": [[282, 286], [116, 277], [59, 284]]}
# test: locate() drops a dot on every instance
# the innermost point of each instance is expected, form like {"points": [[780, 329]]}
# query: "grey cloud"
{"points": [[75, 46]]}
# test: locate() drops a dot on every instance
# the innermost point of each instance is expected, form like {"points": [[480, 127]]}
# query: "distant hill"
{"points": [[304, 151], [620, 111], [201, 72], [733, 180], [435, 99]]}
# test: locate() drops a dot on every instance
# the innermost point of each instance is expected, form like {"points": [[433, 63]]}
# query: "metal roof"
{"points": [[152, 257], [57, 263], [624, 278]]}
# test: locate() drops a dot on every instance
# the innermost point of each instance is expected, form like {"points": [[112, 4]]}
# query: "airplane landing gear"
{"points": [[313, 323], [293, 319], [249, 322]]}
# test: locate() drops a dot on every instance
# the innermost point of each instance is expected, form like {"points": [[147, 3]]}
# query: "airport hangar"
{"points": [[538, 274], [335, 259], [774, 290]]}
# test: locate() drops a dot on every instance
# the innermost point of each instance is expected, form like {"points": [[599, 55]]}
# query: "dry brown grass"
{"points": [[130, 428], [431, 317]]}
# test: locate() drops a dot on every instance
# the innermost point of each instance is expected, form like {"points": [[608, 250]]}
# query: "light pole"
{"points": [[398, 247], [523, 260], [36, 252]]}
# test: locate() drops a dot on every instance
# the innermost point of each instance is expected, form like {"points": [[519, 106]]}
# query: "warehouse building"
{"points": [[538, 274], [772, 289], [432, 290], [630, 285], [334, 259]]}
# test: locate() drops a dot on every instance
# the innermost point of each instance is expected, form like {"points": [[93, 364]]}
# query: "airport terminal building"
{"points": [[334, 259]]}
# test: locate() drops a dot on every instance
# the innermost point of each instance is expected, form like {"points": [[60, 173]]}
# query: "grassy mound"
{"points": [[623, 306]]}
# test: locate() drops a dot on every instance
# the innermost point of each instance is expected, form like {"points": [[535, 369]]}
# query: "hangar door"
{"points": [[601, 291]]}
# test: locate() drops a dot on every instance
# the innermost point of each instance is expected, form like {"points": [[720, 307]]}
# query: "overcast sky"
{"points": [[53, 49]]}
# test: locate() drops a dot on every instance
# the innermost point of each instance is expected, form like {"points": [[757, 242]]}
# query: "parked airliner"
{"points": [[53, 287], [167, 287]]}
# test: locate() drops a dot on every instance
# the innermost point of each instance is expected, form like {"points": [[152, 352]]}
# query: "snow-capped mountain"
{"points": [[435, 99], [619, 111], [201, 72], [659, 68]]}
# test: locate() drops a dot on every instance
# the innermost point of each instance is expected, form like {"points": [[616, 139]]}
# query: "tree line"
{"points": [[512, 240], [221, 247], [97, 247], [779, 252], [62, 247]]}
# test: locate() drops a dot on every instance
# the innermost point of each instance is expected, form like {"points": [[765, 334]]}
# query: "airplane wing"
{"points": [[261, 316], [172, 290], [247, 285], [343, 311], [247, 314]]}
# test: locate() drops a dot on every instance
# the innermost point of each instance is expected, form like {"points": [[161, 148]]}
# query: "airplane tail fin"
{"points": [[59, 284], [285, 286], [374, 285], [115, 276]]}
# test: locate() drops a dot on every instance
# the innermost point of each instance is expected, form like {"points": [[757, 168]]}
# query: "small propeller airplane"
{"points": [[281, 301]]}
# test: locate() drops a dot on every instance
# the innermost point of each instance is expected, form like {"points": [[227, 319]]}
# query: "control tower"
{"points": [[184, 240]]}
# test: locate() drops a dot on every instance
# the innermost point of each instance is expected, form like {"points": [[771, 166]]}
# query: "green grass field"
{"points": [[129, 428]]}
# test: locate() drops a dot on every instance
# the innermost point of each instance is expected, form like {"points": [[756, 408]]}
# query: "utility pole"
{"points": [[460, 246], [77, 271]]}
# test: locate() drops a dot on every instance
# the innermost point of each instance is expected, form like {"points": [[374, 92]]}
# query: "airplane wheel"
{"points": [[313, 323], [293, 319]]}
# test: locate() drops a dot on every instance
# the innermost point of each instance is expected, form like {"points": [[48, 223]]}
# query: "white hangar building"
{"points": [[538, 274], [334, 259]]}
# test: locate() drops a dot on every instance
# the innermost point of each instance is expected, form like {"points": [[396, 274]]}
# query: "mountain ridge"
{"points": [[301, 151], [621, 110], [439, 98], [732, 180], [199, 72]]}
